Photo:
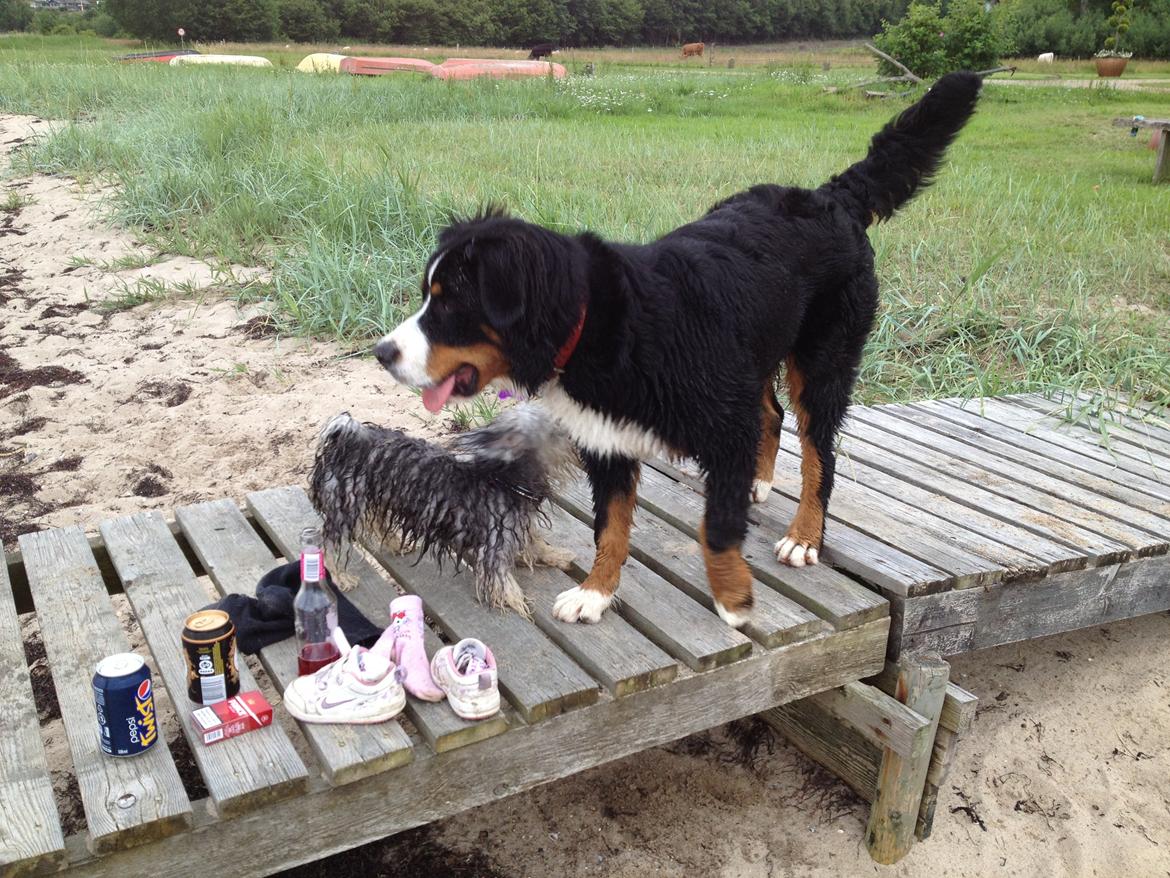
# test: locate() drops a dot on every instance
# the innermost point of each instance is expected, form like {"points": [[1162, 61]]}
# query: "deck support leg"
{"points": [[921, 686], [1161, 163]]}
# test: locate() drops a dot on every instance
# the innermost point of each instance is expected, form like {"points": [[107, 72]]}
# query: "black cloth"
{"points": [[268, 617]]}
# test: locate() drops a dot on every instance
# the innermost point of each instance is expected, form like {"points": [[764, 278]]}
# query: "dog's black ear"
{"points": [[506, 273]]}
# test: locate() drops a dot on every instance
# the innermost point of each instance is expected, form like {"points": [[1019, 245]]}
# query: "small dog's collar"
{"points": [[566, 352]]}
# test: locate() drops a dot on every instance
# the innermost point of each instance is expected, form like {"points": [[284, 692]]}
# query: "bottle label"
{"points": [[311, 567]]}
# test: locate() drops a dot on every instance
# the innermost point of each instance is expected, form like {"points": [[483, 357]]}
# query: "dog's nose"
{"points": [[387, 353]]}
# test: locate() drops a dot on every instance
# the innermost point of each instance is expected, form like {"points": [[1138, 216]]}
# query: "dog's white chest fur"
{"points": [[598, 433]]}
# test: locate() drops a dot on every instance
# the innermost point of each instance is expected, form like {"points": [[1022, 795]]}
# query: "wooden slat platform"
{"points": [[660, 666], [1027, 524]]}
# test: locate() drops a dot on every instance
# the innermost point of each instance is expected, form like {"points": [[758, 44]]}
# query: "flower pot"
{"points": [[1111, 66]]}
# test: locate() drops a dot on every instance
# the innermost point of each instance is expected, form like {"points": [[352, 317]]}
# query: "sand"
{"points": [[188, 398]]}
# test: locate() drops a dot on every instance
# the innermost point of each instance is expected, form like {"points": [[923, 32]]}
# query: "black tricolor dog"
{"points": [[675, 346]]}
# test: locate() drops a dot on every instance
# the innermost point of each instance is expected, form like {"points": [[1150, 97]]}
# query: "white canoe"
{"points": [[243, 60], [321, 62]]}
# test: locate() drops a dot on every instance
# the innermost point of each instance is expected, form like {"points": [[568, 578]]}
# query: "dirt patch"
{"points": [[14, 485], [261, 326], [66, 464], [62, 311], [169, 393], [14, 378], [44, 692], [7, 227], [10, 279]]}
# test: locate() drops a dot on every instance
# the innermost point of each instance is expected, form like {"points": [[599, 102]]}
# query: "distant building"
{"points": [[62, 5]]}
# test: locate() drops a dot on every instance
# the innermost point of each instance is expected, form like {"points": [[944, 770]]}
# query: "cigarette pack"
{"points": [[226, 719]]}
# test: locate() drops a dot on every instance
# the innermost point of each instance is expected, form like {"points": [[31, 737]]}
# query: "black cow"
{"points": [[542, 50]]}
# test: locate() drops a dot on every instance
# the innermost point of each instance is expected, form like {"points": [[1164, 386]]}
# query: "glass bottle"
{"points": [[315, 608]]}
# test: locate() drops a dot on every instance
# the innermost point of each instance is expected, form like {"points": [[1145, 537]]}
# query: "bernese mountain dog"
{"points": [[675, 347]]}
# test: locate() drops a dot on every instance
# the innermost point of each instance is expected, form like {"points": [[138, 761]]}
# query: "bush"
{"points": [[916, 41], [932, 44], [15, 15], [971, 40]]}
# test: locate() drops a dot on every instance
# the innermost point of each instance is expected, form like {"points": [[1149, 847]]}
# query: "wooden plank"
{"points": [[1034, 424], [1149, 494], [877, 563], [127, 801], [934, 472], [1025, 610], [1030, 553], [826, 740], [431, 788], [241, 773], [656, 608], [970, 557], [282, 513], [1157, 513], [1119, 440], [884, 721], [236, 558], [959, 705], [820, 589], [30, 833], [922, 684], [538, 678], [611, 650], [1059, 498], [676, 557], [1144, 531]]}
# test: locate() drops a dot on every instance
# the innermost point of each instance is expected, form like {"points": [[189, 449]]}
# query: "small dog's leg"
{"points": [[497, 587], [771, 420], [540, 553]]}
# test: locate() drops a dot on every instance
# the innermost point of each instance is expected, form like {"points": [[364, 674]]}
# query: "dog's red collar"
{"points": [[566, 352]]}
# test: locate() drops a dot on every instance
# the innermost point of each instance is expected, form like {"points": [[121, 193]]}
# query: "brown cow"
{"points": [[692, 49]]}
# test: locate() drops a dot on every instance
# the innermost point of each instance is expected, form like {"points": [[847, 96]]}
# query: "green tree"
{"points": [[916, 41], [15, 15], [307, 21]]}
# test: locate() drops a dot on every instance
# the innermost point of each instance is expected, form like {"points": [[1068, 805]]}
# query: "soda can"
{"points": [[124, 699], [209, 645]]}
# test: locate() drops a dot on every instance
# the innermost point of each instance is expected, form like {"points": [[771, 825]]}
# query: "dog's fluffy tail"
{"points": [[904, 156]]}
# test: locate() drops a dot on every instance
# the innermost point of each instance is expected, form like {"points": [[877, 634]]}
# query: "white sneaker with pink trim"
{"points": [[360, 687], [467, 673]]}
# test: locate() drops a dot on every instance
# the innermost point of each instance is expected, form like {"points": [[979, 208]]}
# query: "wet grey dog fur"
{"points": [[476, 499]]}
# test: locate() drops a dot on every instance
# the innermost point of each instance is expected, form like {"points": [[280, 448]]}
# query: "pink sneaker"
{"points": [[402, 643], [467, 673]]}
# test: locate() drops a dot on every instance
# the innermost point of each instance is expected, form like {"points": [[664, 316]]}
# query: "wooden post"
{"points": [[1161, 165], [922, 687]]}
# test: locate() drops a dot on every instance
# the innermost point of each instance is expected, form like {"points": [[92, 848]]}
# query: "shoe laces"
{"points": [[468, 663]]}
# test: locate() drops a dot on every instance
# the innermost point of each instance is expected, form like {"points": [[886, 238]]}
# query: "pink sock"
{"points": [[403, 644]]}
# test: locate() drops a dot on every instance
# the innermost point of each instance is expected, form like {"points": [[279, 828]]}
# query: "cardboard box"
{"points": [[243, 713]]}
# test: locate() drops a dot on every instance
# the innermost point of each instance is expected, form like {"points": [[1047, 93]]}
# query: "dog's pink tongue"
{"points": [[434, 397]]}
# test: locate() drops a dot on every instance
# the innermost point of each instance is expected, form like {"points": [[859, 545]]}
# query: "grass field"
{"points": [[1041, 258]]}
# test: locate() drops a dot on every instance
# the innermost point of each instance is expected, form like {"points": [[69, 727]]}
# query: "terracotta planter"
{"points": [[1111, 66]]}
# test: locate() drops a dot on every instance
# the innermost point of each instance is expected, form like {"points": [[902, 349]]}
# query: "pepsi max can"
{"points": [[124, 699]]}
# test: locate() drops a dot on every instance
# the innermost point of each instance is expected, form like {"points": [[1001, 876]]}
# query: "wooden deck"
{"points": [[996, 520], [952, 527], [661, 666]]}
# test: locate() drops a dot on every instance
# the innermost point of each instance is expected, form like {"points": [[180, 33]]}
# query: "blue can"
{"points": [[124, 698]]}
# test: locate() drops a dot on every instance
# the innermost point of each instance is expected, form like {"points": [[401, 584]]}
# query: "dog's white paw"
{"points": [[760, 490], [795, 554], [731, 617], [581, 605]]}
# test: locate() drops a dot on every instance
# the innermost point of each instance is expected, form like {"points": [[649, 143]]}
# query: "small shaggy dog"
{"points": [[675, 346], [476, 500]]}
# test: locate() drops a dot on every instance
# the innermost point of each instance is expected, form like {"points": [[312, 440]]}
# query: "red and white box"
{"points": [[243, 713]]}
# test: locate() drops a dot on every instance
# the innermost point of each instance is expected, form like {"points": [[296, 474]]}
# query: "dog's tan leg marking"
{"points": [[586, 602], [730, 581], [770, 422], [802, 544]]}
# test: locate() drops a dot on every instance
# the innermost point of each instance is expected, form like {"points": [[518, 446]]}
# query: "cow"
{"points": [[543, 50], [689, 49]]}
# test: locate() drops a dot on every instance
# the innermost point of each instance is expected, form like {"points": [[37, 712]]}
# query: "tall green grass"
{"points": [[1041, 257]]}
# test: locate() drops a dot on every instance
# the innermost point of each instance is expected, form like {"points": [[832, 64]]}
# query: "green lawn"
{"points": [[1040, 258]]}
